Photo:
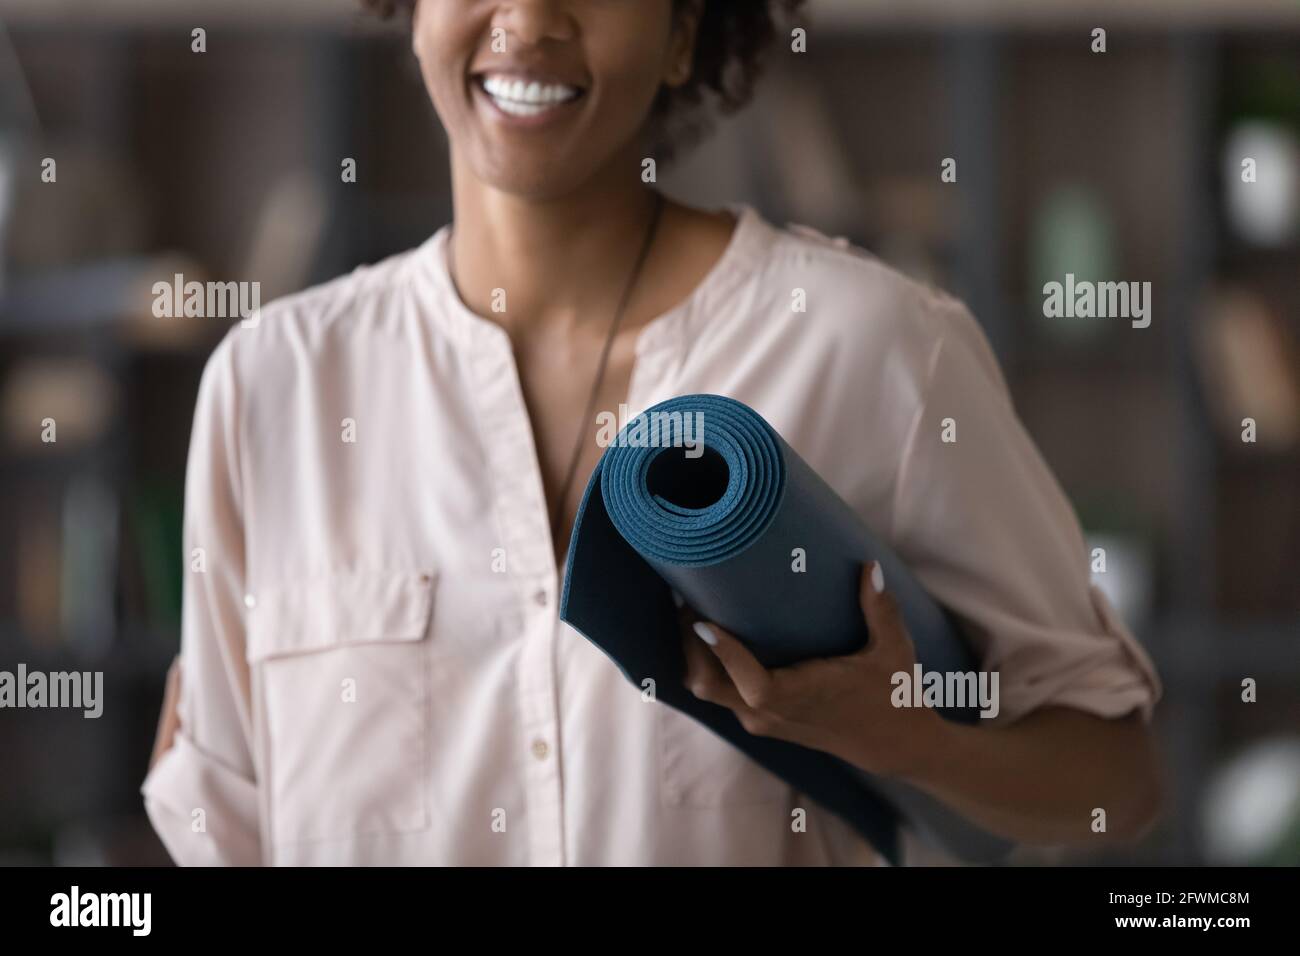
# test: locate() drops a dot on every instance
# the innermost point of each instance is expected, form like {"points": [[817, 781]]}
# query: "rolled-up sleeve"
{"points": [[202, 796], [987, 529]]}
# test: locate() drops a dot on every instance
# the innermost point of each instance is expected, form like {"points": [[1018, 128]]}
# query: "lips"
{"points": [[524, 96]]}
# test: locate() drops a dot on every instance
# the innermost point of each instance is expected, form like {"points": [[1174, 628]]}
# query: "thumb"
{"points": [[880, 610]]}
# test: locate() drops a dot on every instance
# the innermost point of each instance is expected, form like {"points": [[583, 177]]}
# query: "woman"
{"points": [[384, 472]]}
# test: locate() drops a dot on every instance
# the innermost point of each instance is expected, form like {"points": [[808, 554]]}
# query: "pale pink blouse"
{"points": [[374, 670]]}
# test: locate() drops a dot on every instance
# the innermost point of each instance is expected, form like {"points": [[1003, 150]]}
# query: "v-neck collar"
{"points": [[509, 441]]}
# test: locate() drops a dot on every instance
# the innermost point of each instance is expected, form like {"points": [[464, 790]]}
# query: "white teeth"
{"points": [[518, 98], [521, 109]]}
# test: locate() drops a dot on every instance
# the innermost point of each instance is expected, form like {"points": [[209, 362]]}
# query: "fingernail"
{"points": [[706, 634], [877, 577]]}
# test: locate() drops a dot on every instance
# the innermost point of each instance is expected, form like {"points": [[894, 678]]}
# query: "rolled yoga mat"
{"points": [[717, 513]]}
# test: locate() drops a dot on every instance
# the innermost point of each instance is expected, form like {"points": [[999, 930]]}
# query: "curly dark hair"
{"points": [[731, 41]]}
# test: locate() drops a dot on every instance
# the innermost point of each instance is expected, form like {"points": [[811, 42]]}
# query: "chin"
{"points": [[536, 179]]}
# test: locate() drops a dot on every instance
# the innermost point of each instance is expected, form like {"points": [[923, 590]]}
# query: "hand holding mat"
{"points": [[716, 514]]}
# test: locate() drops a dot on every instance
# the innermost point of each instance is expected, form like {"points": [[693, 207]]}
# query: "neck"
{"points": [[559, 261]]}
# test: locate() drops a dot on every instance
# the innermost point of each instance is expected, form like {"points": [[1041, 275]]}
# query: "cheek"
{"points": [[631, 74], [444, 42]]}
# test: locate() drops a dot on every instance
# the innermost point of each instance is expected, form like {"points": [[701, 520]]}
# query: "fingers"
{"points": [[706, 678], [881, 611], [721, 670], [751, 679]]}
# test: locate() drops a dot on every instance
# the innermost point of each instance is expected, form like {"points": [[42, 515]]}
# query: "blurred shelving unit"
{"points": [[1121, 413], [162, 154], [151, 14], [1036, 15], [848, 138]]}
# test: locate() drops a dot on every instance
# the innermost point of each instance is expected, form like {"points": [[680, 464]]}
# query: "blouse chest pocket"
{"points": [[341, 671]]}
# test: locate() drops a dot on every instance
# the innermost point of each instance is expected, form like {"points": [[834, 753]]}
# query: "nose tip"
{"points": [[531, 22]]}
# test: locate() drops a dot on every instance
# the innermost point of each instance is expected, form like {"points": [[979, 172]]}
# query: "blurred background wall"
{"points": [[1125, 166]]}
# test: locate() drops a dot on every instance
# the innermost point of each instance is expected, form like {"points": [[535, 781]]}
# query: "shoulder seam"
{"points": [[294, 302], [791, 241]]}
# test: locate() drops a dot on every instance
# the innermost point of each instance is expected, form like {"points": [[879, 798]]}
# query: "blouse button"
{"points": [[540, 749], [541, 598], [250, 602]]}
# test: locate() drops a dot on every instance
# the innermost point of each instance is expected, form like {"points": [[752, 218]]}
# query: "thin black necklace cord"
{"points": [[557, 511]]}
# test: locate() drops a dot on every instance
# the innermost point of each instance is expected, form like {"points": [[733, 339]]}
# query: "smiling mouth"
{"points": [[525, 98]]}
